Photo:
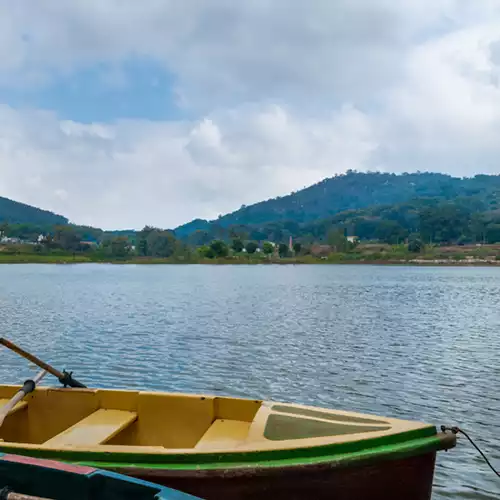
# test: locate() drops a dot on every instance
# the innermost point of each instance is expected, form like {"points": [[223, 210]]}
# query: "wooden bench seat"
{"points": [[224, 434], [19, 406], [97, 428]]}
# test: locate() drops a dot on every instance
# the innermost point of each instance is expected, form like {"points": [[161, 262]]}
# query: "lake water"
{"points": [[412, 342]]}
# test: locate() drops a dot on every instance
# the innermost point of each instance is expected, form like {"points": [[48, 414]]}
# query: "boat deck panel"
{"points": [[224, 434], [97, 428]]}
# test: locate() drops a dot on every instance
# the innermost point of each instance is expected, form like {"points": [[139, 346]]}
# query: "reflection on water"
{"points": [[417, 343]]}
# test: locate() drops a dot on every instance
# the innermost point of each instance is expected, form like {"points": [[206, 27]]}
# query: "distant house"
{"points": [[352, 239], [9, 241], [321, 250]]}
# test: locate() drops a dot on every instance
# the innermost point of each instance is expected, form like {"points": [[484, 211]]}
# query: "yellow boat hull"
{"points": [[222, 447]]}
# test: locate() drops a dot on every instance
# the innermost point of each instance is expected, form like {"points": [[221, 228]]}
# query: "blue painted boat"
{"points": [[55, 480]]}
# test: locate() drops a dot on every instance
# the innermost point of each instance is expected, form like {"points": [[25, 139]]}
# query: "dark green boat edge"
{"points": [[395, 446]]}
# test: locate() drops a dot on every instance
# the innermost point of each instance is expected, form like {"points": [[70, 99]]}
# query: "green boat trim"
{"points": [[407, 444]]}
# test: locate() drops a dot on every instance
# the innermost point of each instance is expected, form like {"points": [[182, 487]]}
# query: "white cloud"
{"points": [[223, 50], [453, 84], [445, 114], [135, 172], [283, 94]]}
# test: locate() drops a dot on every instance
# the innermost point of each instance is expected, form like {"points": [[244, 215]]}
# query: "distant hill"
{"points": [[14, 212], [355, 190], [191, 227], [354, 201]]}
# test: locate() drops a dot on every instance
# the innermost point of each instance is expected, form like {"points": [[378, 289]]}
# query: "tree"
{"points": [[478, 227], [142, 247], [162, 244], [142, 240], [268, 248], [4, 229], [206, 252], [219, 248], [238, 232], [297, 247], [93, 234], [182, 251], [118, 247], [445, 222], [338, 241], [154, 242], [237, 245], [493, 233], [251, 247], [391, 232], [415, 244], [199, 238], [66, 238], [283, 250]]}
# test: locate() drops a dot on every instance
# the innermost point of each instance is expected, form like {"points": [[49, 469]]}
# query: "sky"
{"points": [[120, 113]]}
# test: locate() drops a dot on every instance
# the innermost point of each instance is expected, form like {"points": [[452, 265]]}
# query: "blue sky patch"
{"points": [[138, 89]]}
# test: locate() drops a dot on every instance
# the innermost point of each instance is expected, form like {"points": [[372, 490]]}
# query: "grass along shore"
{"points": [[486, 255]]}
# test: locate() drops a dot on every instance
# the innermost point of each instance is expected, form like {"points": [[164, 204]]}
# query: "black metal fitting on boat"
{"points": [[67, 380], [28, 386], [454, 429]]}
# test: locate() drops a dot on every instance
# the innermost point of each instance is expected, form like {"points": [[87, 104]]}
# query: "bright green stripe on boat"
{"points": [[410, 442], [383, 452]]}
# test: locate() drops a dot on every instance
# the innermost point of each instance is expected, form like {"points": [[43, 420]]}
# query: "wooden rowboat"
{"points": [[221, 447], [23, 477]]}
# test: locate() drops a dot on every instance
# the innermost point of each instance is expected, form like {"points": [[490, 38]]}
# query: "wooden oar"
{"points": [[64, 377], [29, 386]]}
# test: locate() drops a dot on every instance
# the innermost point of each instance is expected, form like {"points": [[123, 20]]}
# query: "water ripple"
{"points": [[418, 343]]}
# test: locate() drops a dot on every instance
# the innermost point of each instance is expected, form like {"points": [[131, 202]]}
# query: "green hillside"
{"points": [[355, 190], [379, 206], [14, 212]]}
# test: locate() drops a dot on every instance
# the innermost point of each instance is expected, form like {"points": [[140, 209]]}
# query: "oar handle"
{"points": [[12, 495], [63, 377], [28, 386]]}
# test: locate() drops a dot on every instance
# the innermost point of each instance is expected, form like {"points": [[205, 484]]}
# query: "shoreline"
{"points": [[66, 260]]}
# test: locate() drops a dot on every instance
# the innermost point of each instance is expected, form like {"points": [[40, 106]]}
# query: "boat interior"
{"points": [[58, 418]]}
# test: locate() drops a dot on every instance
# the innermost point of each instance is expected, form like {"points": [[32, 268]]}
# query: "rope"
{"points": [[457, 430]]}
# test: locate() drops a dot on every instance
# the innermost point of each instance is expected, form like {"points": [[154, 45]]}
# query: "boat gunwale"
{"points": [[336, 453], [270, 469]]}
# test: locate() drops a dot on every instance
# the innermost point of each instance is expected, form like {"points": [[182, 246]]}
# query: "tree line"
{"points": [[433, 221], [417, 223]]}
